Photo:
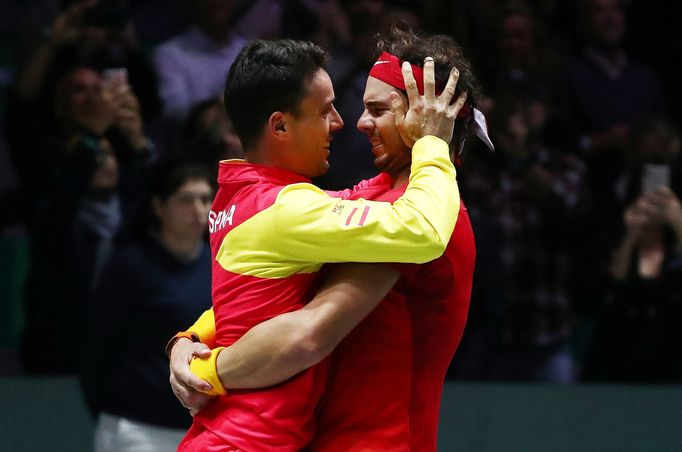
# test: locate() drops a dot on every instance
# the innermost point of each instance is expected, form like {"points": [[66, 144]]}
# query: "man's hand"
{"points": [[427, 114], [186, 386]]}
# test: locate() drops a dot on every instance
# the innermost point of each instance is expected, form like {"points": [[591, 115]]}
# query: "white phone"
{"points": [[655, 176]]}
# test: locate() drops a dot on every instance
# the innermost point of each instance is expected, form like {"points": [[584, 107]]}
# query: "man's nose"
{"points": [[337, 121], [364, 122]]}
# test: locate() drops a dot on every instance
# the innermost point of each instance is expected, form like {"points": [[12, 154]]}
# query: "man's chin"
{"points": [[324, 169], [380, 163]]}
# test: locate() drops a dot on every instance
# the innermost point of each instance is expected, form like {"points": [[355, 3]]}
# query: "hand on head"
{"points": [[426, 114]]}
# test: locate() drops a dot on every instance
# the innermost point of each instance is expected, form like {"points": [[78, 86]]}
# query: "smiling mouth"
{"points": [[376, 147]]}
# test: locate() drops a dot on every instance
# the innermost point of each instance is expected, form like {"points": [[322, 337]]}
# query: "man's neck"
{"points": [[401, 178], [220, 38], [611, 52], [183, 247], [613, 62]]}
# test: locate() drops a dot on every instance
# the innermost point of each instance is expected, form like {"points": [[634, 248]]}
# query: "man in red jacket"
{"points": [[386, 377], [271, 230]]}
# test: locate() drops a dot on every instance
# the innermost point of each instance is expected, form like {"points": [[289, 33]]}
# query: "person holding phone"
{"points": [[638, 332], [87, 133]]}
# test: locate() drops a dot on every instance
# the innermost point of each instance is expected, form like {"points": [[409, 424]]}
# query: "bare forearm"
{"points": [[268, 354], [620, 261], [279, 348]]}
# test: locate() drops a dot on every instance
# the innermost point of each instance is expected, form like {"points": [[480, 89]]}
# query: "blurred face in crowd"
{"points": [[378, 122], [76, 94], [605, 22], [214, 16], [516, 38], [310, 129], [185, 212]]}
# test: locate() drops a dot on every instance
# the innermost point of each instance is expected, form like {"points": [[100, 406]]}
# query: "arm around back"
{"points": [[279, 348]]}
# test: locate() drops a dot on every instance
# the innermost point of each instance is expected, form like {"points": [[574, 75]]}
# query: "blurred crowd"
{"points": [[113, 124]]}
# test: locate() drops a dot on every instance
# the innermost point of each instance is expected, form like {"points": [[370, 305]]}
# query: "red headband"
{"points": [[388, 68]]}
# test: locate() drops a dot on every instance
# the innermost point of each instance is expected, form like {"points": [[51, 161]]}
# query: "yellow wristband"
{"points": [[205, 368]]}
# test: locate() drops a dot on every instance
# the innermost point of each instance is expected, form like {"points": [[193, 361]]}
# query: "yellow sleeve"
{"points": [[204, 327], [307, 225]]}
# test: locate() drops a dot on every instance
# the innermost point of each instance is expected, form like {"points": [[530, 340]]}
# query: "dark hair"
{"points": [[170, 175], [161, 181], [268, 76], [414, 46]]}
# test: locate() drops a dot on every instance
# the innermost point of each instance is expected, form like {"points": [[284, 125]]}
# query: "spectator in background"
{"points": [[637, 336], [193, 66], [148, 291], [604, 91], [87, 133], [99, 31], [524, 201], [601, 94], [524, 62]]}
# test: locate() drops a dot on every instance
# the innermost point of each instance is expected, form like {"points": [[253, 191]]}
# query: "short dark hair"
{"points": [[161, 182], [171, 174], [268, 76]]}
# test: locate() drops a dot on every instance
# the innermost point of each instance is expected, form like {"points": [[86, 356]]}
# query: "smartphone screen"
{"points": [[655, 176]]}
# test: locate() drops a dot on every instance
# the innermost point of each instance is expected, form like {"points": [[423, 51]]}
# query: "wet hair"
{"points": [[414, 46], [268, 76]]}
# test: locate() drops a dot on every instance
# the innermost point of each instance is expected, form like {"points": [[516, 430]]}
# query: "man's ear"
{"points": [[277, 124]]}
